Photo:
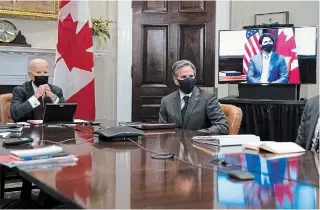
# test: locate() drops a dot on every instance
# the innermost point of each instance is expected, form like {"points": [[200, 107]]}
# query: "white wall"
{"points": [[301, 13], [222, 23], [124, 53], [43, 34]]}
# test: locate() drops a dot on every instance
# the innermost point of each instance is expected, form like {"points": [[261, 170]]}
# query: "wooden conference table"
{"points": [[122, 175]]}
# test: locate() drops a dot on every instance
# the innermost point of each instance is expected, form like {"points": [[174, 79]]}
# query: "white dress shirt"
{"points": [[34, 101], [316, 131], [182, 94], [265, 67]]}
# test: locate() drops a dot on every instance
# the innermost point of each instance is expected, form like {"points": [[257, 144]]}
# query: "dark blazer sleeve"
{"points": [[216, 117], [302, 136], [59, 94], [163, 116], [20, 106]]}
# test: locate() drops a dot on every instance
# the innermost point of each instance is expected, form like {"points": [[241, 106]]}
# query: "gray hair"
{"points": [[33, 64], [182, 63]]}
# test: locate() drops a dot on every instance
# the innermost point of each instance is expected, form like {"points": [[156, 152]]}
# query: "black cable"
{"points": [[155, 155], [76, 129], [211, 169]]}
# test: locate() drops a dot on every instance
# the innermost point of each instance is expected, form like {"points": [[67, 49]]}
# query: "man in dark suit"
{"points": [[268, 66], [309, 129], [30, 98], [189, 107]]}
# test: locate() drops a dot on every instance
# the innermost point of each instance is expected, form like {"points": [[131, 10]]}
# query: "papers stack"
{"points": [[10, 128], [275, 147], [40, 122], [226, 140], [38, 158]]}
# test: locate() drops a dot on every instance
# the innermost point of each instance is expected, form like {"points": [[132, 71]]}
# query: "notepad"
{"points": [[275, 147]]}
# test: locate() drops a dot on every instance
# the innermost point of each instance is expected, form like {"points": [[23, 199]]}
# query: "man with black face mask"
{"points": [[268, 66], [29, 99], [189, 107]]}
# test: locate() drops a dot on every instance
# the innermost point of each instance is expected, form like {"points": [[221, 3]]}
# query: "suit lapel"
{"points": [[30, 92], [193, 101], [177, 108], [29, 89]]}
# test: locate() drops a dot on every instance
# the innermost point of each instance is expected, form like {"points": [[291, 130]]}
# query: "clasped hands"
{"points": [[44, 90]]}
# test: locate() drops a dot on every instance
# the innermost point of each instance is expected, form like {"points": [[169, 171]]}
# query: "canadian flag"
{"points": [[74, 57], [286, 46]]}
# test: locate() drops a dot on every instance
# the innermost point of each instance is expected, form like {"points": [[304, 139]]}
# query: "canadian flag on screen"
{"points": [[74, 57], [286, 46]]}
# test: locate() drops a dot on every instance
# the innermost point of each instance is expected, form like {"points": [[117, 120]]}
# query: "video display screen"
{"points": [[268, 56]]}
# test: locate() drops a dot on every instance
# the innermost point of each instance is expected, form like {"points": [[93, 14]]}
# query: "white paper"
{"points": [[4, 134], [37, 152], [64, 159], [229, 140]]}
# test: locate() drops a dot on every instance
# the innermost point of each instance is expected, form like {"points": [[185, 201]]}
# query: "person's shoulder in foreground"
{"points": [[25, 98], [309, 123], [190, 107]]}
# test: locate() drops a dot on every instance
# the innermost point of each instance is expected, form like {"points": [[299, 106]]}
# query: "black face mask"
{"points": [[40, 80], [187, 85], [267, 47]]}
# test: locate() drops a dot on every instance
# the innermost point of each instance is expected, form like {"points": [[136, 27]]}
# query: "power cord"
{"points": [[155, 155], [66, 140], [76, 129], [221, 170]]}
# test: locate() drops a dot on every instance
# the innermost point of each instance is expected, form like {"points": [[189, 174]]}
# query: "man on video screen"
{"points": [[267, 66]]}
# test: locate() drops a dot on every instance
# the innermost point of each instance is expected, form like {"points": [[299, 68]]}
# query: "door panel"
{"points": [[155, 55], [164, 32], [192, 48], [155, 6], [192, 6]]}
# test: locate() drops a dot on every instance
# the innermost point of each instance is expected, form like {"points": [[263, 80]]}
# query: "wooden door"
{"points": [[164, 32]]}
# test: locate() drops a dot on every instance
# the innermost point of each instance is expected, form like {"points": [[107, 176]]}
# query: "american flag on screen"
{"points": [[251, 47]]}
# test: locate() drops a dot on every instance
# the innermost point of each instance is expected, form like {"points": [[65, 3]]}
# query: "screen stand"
{"points": [[269, 91]]}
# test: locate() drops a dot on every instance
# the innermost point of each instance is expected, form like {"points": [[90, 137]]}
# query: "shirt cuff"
{"points": [[56, 100], [33, 101]]}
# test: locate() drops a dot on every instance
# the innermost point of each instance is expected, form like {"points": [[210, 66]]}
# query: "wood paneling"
{"points": [[155, 55], [160, 38], [192, 47], [155, 6], [192, 6]]}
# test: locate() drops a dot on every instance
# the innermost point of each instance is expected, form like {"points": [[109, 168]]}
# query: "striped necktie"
{"points": [[184, 109]]}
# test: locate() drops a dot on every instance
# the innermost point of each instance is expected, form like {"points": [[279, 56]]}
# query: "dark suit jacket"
{"points": [[203, 112], [308, 124], [278, 71], [21, 110]]}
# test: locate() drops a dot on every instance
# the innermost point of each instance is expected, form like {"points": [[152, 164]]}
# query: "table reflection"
{"points": [[122, 175], [278, 183]]}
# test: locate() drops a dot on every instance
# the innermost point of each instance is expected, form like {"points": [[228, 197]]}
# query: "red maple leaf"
{"points": [[285, 47], [72, 46]]}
